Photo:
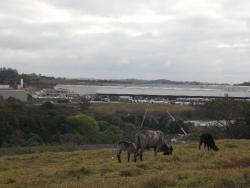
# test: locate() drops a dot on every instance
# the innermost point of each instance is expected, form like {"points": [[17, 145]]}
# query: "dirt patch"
{"points": [[242, 163]]}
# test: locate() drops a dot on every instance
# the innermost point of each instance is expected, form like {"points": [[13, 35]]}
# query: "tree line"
{"points": [[12, 77], [27, 125], [24, 124]]}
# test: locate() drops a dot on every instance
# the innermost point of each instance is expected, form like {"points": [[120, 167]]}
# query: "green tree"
{"points": [[85, 125], [8, 75]]}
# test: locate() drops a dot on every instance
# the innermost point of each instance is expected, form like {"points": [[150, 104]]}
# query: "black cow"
{"points": [[208, 141]]}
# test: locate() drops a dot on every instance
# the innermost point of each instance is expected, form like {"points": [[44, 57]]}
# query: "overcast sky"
{"points": [[201, 40]]}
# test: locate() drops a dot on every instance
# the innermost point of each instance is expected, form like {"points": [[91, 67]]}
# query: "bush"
{"points": [[73, 139], [33, 140]]}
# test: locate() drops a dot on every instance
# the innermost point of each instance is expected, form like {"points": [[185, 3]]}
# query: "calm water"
{"points": [[186, 90]]}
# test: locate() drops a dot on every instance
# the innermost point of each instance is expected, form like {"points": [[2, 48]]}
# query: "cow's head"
{"points": [[167, 150], [215, 148]]}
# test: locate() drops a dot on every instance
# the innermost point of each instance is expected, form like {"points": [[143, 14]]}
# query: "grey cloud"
{"points": [[179, 40]]}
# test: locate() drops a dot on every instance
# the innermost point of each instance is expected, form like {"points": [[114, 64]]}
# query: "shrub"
{"points": [[33, 140]]}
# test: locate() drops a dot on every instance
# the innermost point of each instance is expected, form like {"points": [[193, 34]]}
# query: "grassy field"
{"points": [[109, 108], [187, 167]]}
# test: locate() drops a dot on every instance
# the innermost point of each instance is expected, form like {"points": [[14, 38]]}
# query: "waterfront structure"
{"points": [[176, 94], [4, 86], [17, 94], [57, 95]]}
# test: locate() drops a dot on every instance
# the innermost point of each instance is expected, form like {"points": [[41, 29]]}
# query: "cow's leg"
{"points": [[200, 145], [119, 156], [141, 152], [155, 151], [135, 155], [205, 145], [214, 147], [128, 156], [141, 156]]}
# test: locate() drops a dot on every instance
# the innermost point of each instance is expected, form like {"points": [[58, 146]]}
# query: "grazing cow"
{"points": [[147, 139], [130, 147], [208, 141]]}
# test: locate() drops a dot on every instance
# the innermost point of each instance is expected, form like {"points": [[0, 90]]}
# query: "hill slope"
{"points": [[188, 167]]}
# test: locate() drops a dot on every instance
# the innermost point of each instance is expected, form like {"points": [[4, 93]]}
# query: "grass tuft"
{"points": [[230, 145], [143, 166], [242, 163], [79, 172], [158, 182], [224, 183], [130, 172], [9, 181]]}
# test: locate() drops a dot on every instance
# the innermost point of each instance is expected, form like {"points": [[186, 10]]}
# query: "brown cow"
{"points": [[126, 146], [147, 139]]}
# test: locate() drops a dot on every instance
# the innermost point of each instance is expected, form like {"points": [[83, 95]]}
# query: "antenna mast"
{"points": [[144, 116], [173, 119]]}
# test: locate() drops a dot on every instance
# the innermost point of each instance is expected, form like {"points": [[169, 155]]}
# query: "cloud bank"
{"points": [[205, 40]]}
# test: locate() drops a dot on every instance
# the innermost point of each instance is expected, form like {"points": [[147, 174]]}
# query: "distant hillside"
{"points": [[243, 84], [12, 77], [146, 82]]}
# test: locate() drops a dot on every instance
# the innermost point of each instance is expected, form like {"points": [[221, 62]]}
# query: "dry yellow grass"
{"points": [[187, 167]]}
